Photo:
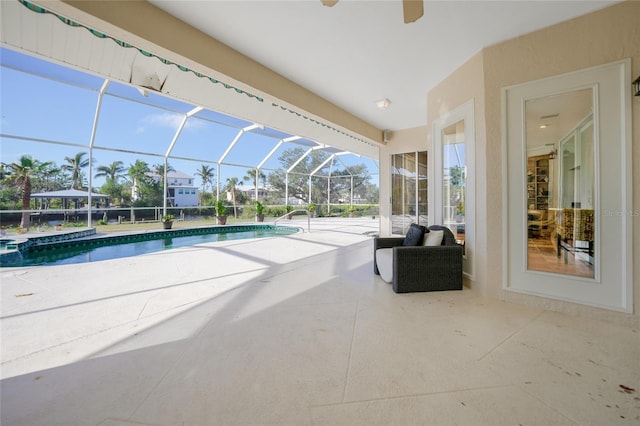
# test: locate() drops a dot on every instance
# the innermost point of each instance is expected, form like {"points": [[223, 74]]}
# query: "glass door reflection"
{"points": [[560, 184], [454, 179]]}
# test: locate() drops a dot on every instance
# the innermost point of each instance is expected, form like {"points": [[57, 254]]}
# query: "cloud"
{"points": [[169, 120], [164, 119]]}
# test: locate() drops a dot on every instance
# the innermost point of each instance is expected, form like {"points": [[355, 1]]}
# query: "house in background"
{"points": [[181, 190], [250, 191]]}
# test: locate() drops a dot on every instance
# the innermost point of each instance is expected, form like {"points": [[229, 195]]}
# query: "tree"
{"points": [[207, 174], [138, 172], [457, 176], [299, 178], [75, 166], [251, 177], [120, 194], [159, 169], [340, 184], [113, 171], [52, 178], [232, 182], [21, 174], [458, 181], [111, 187]]}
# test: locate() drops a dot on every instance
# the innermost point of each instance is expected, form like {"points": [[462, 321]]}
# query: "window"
{"points": [[454, 178], [408, 191], [454, 160]]}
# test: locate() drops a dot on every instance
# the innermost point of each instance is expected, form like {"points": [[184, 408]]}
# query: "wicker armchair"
{"points": [[423, 268]]}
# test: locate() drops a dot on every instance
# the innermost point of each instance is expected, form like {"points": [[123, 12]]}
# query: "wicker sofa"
{"points": [[422, 268]]}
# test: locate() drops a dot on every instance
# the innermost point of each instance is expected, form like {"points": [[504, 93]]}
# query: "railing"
{"points": [[275, 222]]}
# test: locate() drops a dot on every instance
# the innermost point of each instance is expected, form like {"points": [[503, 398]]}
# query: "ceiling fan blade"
{"points": [[329, 2], [413, 10]]}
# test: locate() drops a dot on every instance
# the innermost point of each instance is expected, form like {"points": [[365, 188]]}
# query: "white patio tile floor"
{"points": [[295, 330]]}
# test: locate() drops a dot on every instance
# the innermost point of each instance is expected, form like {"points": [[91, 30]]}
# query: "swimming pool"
{"points": [[113, 247]]}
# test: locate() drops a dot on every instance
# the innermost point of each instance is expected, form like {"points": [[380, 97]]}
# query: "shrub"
{"points": [[221, 209], [259, 207], [276, 211]]}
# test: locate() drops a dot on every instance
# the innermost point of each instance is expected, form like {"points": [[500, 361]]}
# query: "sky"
{"points": [[62, 108]]}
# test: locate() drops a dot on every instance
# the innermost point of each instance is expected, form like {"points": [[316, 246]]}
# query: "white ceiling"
{"points": [[358, 52], [560, 114]]}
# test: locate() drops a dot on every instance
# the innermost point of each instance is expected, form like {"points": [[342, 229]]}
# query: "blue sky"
{"points": [[62, 109]]}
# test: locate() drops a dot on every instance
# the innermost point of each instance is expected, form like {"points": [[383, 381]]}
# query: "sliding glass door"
{"points": [[408, 190]]}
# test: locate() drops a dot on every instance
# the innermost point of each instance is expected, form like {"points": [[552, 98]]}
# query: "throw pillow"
{"points": [[415, 235], [434, 238]]}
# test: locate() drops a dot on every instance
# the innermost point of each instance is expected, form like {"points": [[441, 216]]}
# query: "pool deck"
{"points": [[294, 330]]}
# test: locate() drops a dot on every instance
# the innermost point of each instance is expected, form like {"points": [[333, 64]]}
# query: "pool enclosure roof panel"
{"points": [[136, 120], [227, 120], [122, 58], [32, 65], [148, 97]]}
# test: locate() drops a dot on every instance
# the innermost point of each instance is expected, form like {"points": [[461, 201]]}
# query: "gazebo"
{"points": [[66, 196]]}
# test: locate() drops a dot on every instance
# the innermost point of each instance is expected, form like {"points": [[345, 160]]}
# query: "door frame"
{"points": [[612, 287]]}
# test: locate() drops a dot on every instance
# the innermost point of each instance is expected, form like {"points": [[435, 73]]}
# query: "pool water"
{"points": [[113, 248], [4, 245]]}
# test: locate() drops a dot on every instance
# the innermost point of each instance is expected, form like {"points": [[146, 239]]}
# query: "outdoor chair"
{"points": [[419, 267]]}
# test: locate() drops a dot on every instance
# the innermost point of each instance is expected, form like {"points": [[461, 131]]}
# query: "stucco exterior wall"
{"points": [[601, 37], [464, 84]]}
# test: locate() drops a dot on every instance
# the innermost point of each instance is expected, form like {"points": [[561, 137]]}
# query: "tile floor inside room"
{"points": [[543, 256], [295, 331]]}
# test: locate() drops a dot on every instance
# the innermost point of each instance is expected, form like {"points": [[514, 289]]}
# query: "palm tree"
{"points": [[232, 182], [160, 171], [113, 171], [251, 177], [207, 174], [21, 173], [50, 175], [138, 173], [75, 166]]}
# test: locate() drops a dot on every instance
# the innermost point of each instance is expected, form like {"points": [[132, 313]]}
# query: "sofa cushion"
{"points": [[415, 235], [433, 238], [384, 260]]}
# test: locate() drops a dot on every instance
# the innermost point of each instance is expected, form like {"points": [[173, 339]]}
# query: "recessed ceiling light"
{"points": [[383, 103], [544, 126]]}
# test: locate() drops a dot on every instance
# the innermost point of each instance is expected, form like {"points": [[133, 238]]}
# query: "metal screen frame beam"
{"points": [[92, 139]]}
